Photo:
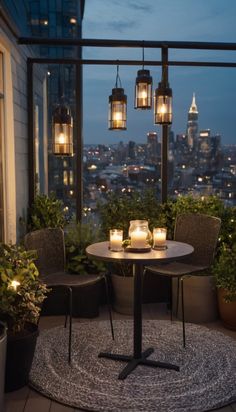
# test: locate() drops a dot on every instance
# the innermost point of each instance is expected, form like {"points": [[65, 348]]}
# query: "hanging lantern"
{"points": [[117, 107], [143, 90], [62, 134], [163, 104]]}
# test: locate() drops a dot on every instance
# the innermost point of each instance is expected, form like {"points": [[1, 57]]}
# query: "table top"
{"points": [[175, 250]]}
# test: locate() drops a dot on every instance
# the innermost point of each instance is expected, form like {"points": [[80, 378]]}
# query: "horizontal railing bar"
{"points": [[43, 60], [128, 43]]}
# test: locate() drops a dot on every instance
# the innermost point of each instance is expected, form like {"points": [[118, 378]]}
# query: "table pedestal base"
{"points": [[134, 362]]}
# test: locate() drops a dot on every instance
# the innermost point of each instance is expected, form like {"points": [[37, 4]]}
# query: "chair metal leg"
{"points": [[183, 319], [70, 322], [109, 306], [65, 323], [171, 310], [177, 298]]}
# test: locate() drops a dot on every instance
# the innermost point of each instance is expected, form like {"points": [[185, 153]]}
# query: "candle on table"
{"points": [[138, 239], [116, 239], [159, 238]]}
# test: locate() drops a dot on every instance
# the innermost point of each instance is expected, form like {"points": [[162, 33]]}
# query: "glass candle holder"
{"points": [[138, 234], [159, 238], [116, 239]]}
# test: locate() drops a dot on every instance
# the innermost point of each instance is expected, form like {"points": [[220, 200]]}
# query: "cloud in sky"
{"points": [[178, 20]]}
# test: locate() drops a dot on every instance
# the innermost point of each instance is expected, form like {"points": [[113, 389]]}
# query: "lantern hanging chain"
{"points": [[143, 57], [164, 79], [118, 77]]}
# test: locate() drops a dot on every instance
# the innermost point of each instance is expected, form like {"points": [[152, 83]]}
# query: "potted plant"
{"points": [[225, 275], [21, 298], [117, 212], [46, 211], [77, 237], [119, 209]]}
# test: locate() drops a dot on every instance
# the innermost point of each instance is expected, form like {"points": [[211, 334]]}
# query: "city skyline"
{"points": [[215, 88]]}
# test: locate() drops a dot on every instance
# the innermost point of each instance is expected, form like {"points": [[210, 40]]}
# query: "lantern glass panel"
{"points": [[63, 139], [117, 115], [163, 109], [143, 95]]}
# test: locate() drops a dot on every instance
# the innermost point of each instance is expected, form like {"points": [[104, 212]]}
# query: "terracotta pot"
{"points": [[200, 299], [227, 310], [123, 289]]}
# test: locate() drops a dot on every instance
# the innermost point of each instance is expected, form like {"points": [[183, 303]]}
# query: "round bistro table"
{"points": [[175, 251]]}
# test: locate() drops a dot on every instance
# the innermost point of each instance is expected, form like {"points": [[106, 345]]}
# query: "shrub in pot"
{"points": [[46, 211], [21, 298], [225, 275], [117, 212], [120, 208]]}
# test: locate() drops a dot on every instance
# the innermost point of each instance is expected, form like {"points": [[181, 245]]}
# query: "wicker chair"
{"points": [[50, 247], [201, 231]]}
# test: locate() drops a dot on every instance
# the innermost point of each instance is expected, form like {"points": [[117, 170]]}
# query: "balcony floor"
{"points": [[27, 400]]}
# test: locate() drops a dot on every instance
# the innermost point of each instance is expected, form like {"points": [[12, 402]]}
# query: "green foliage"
{"points": [[120, 209], [225, 271], [210, 205], [77, 238], [20, 301], [46, 212]]}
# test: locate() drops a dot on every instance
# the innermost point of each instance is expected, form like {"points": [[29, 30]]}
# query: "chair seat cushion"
{"points": [[67, 279], [176, 269]]}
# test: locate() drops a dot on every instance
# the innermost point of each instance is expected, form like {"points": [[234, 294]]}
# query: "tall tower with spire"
{"points": [[192, 125]]}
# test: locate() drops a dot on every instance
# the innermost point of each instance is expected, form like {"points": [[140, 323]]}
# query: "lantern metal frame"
{"points": [[163, 95], [117, 106], [62, 133], [163, 104], [143, 89]]}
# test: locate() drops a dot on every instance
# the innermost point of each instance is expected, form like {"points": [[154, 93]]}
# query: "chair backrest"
{"points": [[201, 231], [50, 246]]}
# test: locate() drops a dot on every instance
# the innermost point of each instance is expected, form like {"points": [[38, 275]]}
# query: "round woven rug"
{"points": [[206, 379]]}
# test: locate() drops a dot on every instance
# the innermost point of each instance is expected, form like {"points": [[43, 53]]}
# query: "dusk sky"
{"points": [[173, 20]]}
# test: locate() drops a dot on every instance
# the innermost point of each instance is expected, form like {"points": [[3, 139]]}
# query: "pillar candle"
{"points": [[116, 239], [138, 239]]}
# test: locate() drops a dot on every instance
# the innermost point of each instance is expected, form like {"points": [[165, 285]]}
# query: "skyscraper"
{"points": [[152, 147], [192, 125]]}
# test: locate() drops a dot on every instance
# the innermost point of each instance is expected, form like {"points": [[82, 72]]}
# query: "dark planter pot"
{"points": [[227, 310], [20, 353], [3, 347], [123, 291]]}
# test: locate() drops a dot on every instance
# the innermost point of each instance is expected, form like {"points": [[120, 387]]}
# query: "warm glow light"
{"points": [[117, 116], [163, 108], [73, 20], [62, 133], [159, 238], [143, 90], [143, 94], [61, 138], [14, 284], [138, 238], [117, 107], [116, 239], [163, 105], [92, 167]]}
